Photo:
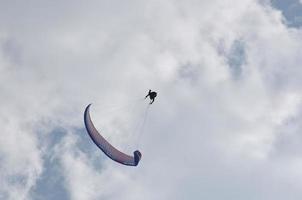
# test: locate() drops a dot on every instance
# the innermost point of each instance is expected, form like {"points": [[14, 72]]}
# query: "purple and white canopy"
{"points": [[106, 147]]}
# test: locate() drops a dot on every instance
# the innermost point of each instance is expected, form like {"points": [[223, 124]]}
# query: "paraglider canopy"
{"points": [[106, 147]]}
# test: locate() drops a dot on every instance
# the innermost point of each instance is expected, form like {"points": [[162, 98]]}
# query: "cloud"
{"points": [[225, 123]]}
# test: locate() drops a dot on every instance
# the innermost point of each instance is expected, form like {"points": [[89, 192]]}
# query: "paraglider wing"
{"points": [[106, 147]]}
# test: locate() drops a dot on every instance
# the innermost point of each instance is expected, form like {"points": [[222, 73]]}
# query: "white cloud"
{"points": [[209, 135]]}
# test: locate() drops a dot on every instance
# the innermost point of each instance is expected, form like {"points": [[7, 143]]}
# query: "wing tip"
{"points": [[137, 157], [87, 107]]}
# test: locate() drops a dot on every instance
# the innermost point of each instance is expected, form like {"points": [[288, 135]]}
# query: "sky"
{"points": [[226, 124]]}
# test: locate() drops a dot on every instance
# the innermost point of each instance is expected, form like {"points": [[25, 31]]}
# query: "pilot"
{"points": [[151, 95]]}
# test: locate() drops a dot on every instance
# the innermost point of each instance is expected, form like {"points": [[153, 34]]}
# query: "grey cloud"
{"points": [[236, 58], [213, 138]]}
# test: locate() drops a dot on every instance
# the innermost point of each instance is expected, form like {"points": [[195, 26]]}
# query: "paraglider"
{"points": [[151, 95], [106, 147]]}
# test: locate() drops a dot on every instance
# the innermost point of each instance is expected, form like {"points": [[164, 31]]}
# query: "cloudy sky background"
{"points": [[226, 125]]}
